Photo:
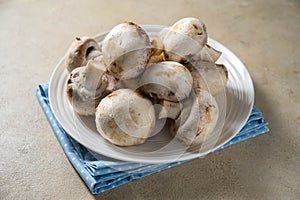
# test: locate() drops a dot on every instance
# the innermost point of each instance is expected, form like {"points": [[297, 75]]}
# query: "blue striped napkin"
{"points": [[101, 173]]}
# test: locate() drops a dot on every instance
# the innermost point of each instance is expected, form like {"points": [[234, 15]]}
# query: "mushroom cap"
{"points": [[184, 39], [198, 118], [78, 52], [208, 76], [87, 85], [166, 80], [125, 118], [126, 50]]}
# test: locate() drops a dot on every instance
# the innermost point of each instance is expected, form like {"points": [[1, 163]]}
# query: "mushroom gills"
{"points": [[79, 52], [94, 54]]}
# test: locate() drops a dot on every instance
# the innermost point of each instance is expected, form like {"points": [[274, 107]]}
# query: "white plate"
{"points": [[235, 104]]}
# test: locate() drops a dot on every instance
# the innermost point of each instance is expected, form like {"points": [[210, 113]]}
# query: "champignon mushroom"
{"points": [[87, 85], [166, 80], [208, 76], [126, 50], [125, 118], [198, 118], [184, 39], [80, 52]]}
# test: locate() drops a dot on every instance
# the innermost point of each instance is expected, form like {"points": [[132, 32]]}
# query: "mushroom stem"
{"points": [[93, 75]]}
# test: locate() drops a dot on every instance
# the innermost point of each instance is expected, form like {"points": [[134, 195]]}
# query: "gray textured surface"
{"points": [[264, 34]]}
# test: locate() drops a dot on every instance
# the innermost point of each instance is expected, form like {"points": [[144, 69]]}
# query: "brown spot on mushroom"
{"points": [[70, 92], [120, 70], [177, 27], [208, 110], [134, 115], [223, 68], [195, 26], [112, 124], [171, 93], [115, 69], [131, 23]]}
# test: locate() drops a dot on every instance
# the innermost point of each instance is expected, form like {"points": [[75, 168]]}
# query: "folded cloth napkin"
{"points": [[102, 173]]}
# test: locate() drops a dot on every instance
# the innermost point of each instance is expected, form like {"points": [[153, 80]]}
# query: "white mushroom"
{"points": [[80, 52], [208, 76], [166, 80], [184, 39], [198, 118], [87, 85], [126, 50], [125, 118]]}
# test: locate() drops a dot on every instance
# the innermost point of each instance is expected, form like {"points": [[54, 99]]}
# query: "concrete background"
{"points": [[265, 35]]}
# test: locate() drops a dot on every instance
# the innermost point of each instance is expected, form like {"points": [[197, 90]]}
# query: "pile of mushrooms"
{"points": [[120, 79]]}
